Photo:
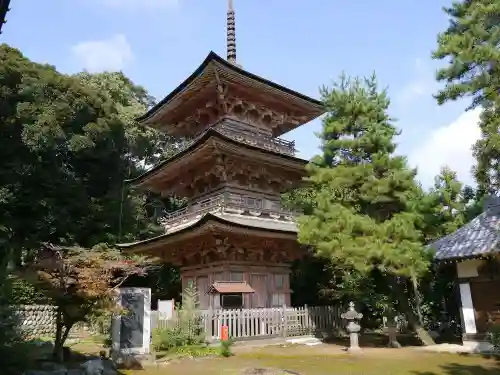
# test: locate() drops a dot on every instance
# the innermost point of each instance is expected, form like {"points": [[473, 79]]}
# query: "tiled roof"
{"points": [[476, 238], [238, 220], [230, 287], [316, 106]]}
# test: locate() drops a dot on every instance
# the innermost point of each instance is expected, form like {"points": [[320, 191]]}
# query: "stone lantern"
{"points": [[353, 327]]}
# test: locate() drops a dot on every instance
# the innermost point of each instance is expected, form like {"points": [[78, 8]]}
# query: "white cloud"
{"points": [[111, 54], [422, 84], [448, 146], [141, 3]]}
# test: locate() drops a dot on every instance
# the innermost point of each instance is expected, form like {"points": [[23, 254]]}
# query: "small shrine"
{"points": [[234, 240], [473, 250]]}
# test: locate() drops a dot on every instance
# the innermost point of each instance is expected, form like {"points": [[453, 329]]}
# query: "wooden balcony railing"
{"points": [[231, 130], [230, 203], [235, 129]]}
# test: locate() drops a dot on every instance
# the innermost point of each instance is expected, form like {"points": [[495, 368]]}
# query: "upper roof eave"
{"points": [[213, 57], [211, 132]]}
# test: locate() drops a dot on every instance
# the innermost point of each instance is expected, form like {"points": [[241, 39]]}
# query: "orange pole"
{"points": [[224, 333]]}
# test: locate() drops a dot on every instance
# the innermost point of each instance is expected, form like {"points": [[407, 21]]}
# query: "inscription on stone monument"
{"points": [[131, 331]]}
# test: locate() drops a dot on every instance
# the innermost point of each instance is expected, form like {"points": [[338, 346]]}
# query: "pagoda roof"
{"points": [[204, 137], [4, 8], [233, 221], [478, 238], [215, 68]]}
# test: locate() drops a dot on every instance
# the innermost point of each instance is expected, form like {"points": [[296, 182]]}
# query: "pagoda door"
{"points": [[259, 283]]}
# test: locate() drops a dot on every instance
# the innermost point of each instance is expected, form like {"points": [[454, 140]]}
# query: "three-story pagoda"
{"points": [[234, 240]]}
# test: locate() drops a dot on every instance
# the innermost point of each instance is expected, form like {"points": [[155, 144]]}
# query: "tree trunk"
{"points": [[62, 332], [418, 300], [57, 353], [412, 320]]}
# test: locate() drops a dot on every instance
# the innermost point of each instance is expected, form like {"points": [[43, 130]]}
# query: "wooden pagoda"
{"points": [[234, 239], [4, 8]]}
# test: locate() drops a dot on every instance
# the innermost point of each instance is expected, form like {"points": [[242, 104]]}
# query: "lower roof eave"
{"points": [[271, 227], [209, 133]]}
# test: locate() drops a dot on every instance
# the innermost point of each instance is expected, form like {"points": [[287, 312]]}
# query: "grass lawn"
{"points": [[330, 360]]}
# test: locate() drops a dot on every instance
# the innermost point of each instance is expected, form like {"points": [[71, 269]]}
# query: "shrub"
{"points": [[168, 338], [186, 327], [225, 348], [196, 351], [493, 336], [25, 293]]}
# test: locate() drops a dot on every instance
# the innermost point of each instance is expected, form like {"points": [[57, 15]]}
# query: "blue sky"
{"points": [[299, 44]]}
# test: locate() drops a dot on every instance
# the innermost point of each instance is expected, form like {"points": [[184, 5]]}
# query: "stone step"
{"points": [[309, 341]]}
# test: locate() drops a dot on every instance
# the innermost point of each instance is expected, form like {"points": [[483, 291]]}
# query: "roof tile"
{"points": [[230, 287], [476, 238]]}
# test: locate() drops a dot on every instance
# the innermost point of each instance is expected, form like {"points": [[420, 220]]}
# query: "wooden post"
{"points": [[209, 317], [307, 322], [284, 323]]}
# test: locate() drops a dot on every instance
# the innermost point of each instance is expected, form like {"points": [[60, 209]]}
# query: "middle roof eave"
{"points": [[211, 132]]}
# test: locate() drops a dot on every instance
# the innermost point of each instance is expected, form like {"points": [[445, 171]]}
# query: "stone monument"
{"points": [[131, 331], [353, 327]]}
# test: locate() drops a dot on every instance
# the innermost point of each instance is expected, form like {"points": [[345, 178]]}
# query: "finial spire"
{"points": [[231, 33]]}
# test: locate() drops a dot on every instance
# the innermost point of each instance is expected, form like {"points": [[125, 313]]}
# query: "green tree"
{"points": [[363, 220], [446, 206], [147, 145], [443, 210], [67, 146], [470, 45]]}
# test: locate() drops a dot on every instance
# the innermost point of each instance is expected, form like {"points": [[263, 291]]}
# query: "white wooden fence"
{"points": [[265, 323]]}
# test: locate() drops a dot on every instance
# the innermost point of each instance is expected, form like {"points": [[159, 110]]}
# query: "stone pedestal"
{"points": [[354, 342], [392, 333]]}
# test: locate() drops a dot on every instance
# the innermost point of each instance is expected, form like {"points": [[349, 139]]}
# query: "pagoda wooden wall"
{"points": [[270, 282]]}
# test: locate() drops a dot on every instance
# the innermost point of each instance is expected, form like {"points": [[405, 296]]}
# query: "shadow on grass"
{"points": [[458, 369], [462, 369], [374, 340], [127, 362], [74, 359]]}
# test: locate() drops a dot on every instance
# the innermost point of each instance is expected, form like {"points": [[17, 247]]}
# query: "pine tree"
{"points": [[447, 204], [444, 210], [190, 322], [471, 46], [363, 218]]}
